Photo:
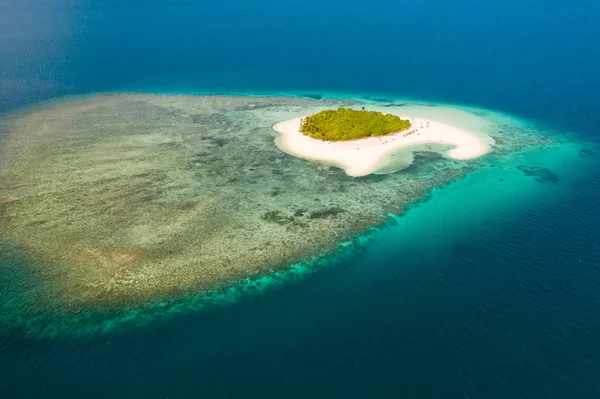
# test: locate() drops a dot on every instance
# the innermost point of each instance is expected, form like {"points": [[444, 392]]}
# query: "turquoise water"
{"points": [[489, 289]]}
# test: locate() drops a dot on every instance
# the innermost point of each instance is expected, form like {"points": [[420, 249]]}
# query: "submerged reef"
{"points": [[111, 204]]}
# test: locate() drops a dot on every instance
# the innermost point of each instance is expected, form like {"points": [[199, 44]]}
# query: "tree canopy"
{"points": [[349, 124]]}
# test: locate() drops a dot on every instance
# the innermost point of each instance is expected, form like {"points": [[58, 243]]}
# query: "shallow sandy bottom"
{"points": [[115, 202]]}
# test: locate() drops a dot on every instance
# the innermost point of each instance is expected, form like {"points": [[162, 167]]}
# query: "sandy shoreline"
{"points": [[385, 153]]}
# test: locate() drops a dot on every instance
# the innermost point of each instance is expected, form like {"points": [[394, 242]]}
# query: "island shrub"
{"points": [[350, 124]]}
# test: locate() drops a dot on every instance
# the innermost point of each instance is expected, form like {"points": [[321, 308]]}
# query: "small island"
{"points": [[350, 124], [364, 142]]}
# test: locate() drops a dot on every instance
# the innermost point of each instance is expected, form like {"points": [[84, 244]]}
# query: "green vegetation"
{"points": [[349, 124]]}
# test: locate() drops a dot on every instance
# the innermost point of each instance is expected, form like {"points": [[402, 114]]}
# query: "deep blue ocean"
{"points": [[506, 306]]}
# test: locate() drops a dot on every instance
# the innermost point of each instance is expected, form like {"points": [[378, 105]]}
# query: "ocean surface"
{"points": [[489, 289]]}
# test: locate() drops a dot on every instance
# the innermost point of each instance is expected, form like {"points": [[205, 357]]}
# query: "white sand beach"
{"points": [[383, 154]]}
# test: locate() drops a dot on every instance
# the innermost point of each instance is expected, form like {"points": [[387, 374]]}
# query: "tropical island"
{"points": [[364, 142], [350, 124]]}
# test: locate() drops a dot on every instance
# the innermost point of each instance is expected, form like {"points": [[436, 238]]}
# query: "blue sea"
{"points": [[488, 289]]}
